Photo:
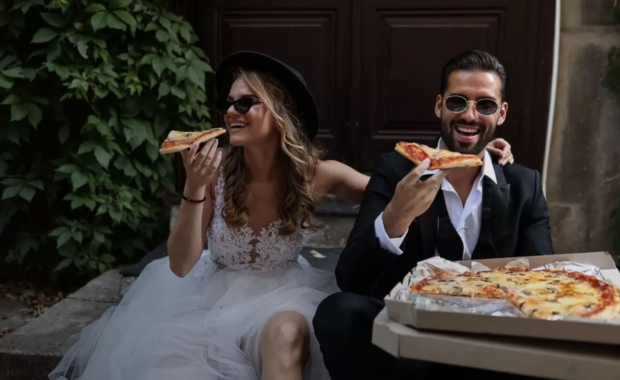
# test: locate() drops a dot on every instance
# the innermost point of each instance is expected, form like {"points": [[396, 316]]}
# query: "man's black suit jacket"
{"points": [[517, 225]]}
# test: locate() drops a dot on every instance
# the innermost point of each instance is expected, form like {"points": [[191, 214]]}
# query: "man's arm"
{"points": [[535, 237], [363, 261]]}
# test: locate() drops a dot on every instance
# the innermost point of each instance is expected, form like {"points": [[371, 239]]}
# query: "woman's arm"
{"points": [[188, 235], [342, 181]]}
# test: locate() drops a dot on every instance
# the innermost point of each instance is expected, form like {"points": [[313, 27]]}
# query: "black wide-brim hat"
{"points": [[307, 109]]}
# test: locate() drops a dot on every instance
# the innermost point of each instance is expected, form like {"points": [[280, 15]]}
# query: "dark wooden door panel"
{"points": [[405, 43], [312, 36]]}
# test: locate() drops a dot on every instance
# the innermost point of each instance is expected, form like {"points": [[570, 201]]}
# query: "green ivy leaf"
{"points": [[78, 179], [158, 65], [34, 115], [162, 36], [58, 231], [103, 156], [82, 48], [63, 239], [164, 89], [196, 76], [63, 264], [53, 19], [203, 66], [63, 134], [87, 146], [115, 23], [16, 72], [19, 111], [11, 191], [126, 17], [67, 168], [77, 236], [44, 35], [5, 82], [27, 193], [99, 21], [12, 99], [185, 31]]}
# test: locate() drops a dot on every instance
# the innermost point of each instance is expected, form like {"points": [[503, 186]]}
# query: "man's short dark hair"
{"points": [[470, 61]]}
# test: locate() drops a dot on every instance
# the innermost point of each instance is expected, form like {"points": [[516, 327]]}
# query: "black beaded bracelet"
{"points": [[193, 200]]}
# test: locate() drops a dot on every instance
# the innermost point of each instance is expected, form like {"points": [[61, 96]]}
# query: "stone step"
{"points": [[33, 350]]}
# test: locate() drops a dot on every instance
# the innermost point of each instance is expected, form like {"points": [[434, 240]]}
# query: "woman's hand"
{"points": [[501, 148], [201, 166]]}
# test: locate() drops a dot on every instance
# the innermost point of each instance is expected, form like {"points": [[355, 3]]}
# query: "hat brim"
{"points": [[307, 109]]}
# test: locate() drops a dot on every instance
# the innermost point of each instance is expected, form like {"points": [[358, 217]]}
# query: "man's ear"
{"points": [[503, 111], [438, 105]]}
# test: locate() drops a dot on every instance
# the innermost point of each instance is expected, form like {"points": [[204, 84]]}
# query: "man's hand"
{"points": [[411, 199]]}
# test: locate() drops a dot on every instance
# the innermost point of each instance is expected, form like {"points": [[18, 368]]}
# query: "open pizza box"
{"points": [[503, 319], [560, 350], [550, 359]]}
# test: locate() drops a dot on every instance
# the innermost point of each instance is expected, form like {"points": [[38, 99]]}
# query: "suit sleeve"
{"points": [[363, 261], [536, 234]]}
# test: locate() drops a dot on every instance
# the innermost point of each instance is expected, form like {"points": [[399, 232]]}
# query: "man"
{"points": [[410, 214]]}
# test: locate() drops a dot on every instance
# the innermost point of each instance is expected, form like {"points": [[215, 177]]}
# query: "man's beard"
{"points": [[484, 138]]}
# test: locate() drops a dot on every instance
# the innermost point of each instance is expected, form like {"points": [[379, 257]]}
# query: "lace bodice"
{"points": [[232, 248]]}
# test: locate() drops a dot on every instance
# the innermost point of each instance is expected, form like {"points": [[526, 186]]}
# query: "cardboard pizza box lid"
{"points": [[444, 319]]}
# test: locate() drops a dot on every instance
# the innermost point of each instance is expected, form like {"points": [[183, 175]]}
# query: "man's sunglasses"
{"points": [[241, 105], [458, 104]]}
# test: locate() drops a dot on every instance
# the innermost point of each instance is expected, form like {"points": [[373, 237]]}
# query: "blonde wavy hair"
{"points": [[299, 158]]}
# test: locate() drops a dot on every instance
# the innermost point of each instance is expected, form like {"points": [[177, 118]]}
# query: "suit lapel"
{"points": [[495, 201], [428, 227], [500, 198]]}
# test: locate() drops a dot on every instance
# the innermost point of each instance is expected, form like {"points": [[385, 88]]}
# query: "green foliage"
{"points": [[88, 90]]}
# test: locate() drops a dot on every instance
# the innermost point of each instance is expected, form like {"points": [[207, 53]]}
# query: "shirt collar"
{"points": [[487, 166]]}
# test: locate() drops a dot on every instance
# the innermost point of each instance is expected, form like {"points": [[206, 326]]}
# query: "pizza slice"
{"points": [[440, 158], [181, 140]]}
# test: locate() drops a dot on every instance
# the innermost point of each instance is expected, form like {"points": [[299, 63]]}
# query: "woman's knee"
{"points": [[286, 337]]}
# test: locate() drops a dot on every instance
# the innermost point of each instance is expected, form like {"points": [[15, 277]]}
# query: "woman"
{"points": [[240, 310]]}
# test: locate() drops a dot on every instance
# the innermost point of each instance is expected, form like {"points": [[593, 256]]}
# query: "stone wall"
{"points": [[583, 175]]}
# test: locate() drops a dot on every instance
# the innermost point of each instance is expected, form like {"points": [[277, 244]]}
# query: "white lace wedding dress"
{"points": [[206, 326]]}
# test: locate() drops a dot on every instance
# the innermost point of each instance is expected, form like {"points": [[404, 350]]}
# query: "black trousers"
{"points": [[343, 327]]}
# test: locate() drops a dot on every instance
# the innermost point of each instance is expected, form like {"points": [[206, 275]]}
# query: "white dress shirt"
{"points": [[466, 218]]}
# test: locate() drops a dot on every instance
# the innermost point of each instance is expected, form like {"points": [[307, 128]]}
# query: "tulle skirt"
{"points": [[204, 326]]}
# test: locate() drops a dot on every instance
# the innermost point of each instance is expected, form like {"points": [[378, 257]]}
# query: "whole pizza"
{"points": [[537, 293]]}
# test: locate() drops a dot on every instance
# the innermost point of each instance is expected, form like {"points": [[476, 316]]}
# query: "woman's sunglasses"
{"points": [[458, 104], [241, 105]]}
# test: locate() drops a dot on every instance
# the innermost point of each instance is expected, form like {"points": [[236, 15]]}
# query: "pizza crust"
{"points": [[440, 158], [177, 141]]}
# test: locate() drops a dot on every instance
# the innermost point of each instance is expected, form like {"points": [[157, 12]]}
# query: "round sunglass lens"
{"points": [[456, 104], [486, 107]]}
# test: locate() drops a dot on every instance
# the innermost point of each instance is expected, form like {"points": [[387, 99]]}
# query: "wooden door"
{"points": [[312, 36], [402, 46], [374, 65]]}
